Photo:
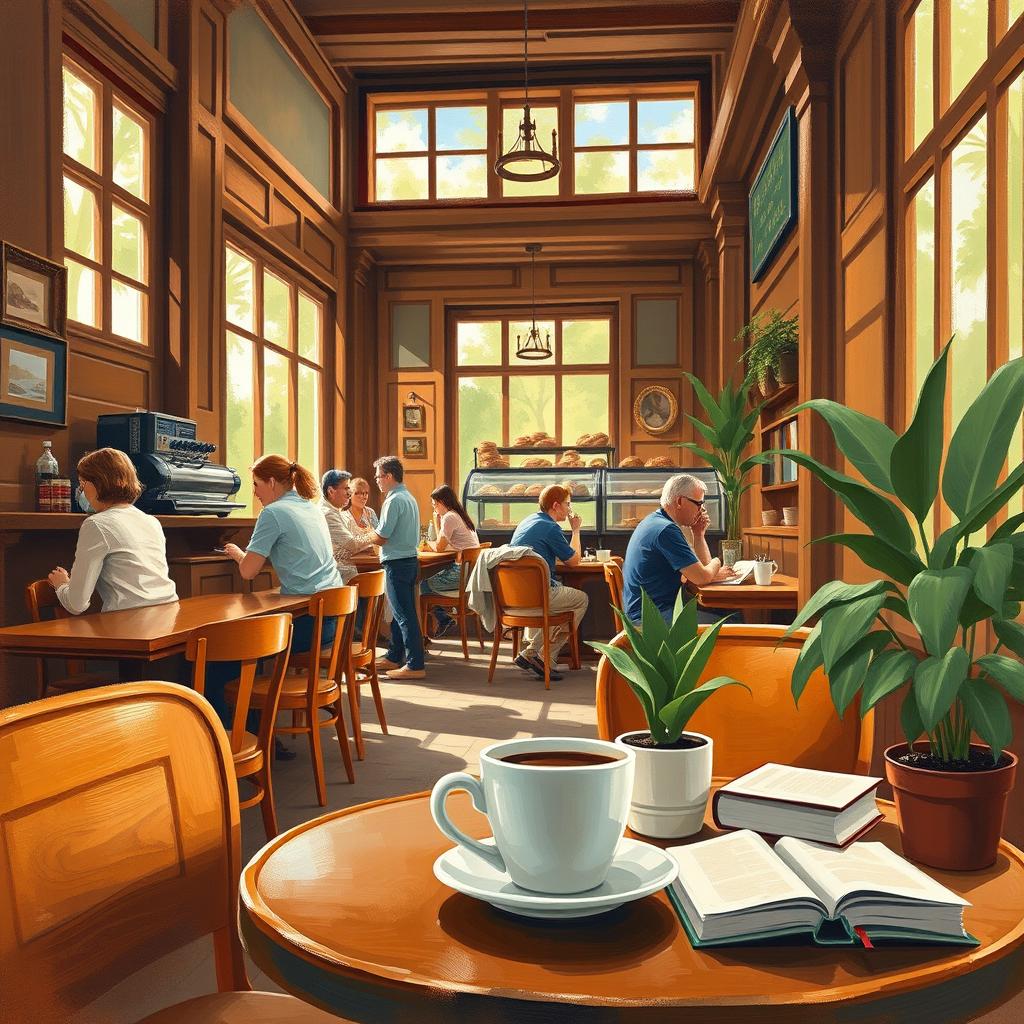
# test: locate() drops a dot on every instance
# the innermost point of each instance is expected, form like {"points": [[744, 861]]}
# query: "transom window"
{"points": [[273, 358], [108, 216], [630, 141]]}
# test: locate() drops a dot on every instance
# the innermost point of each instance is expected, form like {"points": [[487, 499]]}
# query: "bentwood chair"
{"points": [[121, 844], [751, 729], [306, 693], [454, 601], [519, 587], [247, 641], [613, 577], [40, 597]]}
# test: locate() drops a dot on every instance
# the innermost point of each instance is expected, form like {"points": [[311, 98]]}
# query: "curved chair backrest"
{"points": [[371, 587], [245, 641], [522, 583], [466, 559], [613, 577], [120, 842], [340, 602], [750, 729]]}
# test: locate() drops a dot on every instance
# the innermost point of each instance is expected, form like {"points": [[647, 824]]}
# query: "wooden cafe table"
{"points": [[344, 912], [780, 594]]}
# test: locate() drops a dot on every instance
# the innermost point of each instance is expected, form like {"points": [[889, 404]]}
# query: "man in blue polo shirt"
{"points": [[658, 558], [541, 532]]}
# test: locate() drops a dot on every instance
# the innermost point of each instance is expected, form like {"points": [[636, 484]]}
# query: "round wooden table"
{"points": [[344, 912]]}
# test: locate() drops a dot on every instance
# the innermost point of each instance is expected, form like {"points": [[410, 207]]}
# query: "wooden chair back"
{"points": [[339, 602], [40, 597], [750, 729], [370, 586], [245, 641], [613, 577], [522, 583], [120, 842]]}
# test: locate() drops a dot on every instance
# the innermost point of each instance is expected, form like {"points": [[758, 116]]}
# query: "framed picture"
{"points": [[414, 447], [33, 377], [656, 409], [33, 292], [414, 417]]}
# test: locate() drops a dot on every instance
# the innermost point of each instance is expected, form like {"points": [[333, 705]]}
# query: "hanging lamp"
{"points": [[533, 347], [527, 160]]}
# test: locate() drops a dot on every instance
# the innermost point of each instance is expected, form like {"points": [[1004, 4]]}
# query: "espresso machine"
{"points": [[172, 464]]}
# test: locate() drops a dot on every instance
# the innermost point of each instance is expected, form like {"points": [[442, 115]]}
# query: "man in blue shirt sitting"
{"points": [[658, 558], [541, 532]]}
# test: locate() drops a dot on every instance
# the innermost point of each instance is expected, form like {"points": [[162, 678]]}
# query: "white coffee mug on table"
{"points": [[763, 573], [604, 554], [555, 827]]}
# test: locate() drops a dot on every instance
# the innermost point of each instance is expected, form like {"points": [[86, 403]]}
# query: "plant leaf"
{"points": [[843, 627], [809, 658], [992, 566], [684, 623], [979, 444], [710, 406], [634, 676], [678, 713], [888, 671], [865, 441], [848, 676], [709, 457], [1012, 634], [699, 657], [881, 516], [988, 714], [658, 686], [653, 628], [935, 599], [1008, 528], [917, 455], [910, 720], [936, 682], [877, 554], [1005, 671], [835, 592]]}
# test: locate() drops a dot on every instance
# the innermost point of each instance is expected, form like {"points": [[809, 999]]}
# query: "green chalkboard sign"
{"points": [[773, 198]]}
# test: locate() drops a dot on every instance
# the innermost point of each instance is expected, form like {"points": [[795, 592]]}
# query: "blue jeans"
{"points": [[447, 579], [400, 576], [220, 673]]}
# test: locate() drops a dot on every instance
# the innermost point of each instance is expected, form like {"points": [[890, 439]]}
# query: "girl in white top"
{"points": [[455, 532], [122, 552]]}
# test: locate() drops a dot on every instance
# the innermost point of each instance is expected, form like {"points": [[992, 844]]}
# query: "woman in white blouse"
{"points": [[122, 552], [359, 517]]}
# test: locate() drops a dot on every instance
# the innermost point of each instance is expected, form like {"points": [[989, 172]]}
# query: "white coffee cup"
{"points": [[763, 573], [604, 554], [555, 827]]}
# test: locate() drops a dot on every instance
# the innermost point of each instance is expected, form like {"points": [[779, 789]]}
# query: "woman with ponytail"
{"points": [[291, 533]]}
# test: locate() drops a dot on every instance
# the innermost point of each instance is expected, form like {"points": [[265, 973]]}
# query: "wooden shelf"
{"points": [[780, 487], [772, 531], [787, 392], [788, 418]]}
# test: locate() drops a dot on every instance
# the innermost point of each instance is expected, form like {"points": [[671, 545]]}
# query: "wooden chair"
{"points": [[307, 693], [613, 577], [750, 730], [40, 597], [247, 641], [524, 584], [121, 844], [454, 601]]}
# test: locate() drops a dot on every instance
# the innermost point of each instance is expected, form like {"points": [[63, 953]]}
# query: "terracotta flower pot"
{"points": [[767, 384], [786, 372], [950, 820]]}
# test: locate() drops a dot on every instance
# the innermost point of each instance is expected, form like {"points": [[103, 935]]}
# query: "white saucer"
{"points": [[637, 870]]}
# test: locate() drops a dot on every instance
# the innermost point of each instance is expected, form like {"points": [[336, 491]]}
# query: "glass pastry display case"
{"points": [[628, 495]]}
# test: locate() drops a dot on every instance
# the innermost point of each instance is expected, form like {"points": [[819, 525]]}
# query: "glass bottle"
{"points": [[46, 473]]}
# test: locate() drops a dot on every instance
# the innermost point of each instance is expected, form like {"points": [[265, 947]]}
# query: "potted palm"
{"points": [[772, 351], [942, 593], [673, 766], [728, 429]]}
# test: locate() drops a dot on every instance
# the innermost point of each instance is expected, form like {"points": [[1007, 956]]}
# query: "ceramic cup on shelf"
{"points": [[557, 807], [604, 554], [791, 515], [770, 517], [763, 573]]}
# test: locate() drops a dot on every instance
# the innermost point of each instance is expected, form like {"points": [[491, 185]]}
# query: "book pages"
{"points": [[743, 568], [784, 783]]}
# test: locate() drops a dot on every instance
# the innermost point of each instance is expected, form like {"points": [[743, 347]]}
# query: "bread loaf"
{"points": [[632, 462]]}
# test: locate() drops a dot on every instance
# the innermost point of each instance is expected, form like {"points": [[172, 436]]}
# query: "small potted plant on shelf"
{"points": [[914, 633], [673, 766], [728, 431], [772, 352]]}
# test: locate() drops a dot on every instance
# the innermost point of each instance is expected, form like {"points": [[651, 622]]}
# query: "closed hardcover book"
{"points": [[782, 800]]}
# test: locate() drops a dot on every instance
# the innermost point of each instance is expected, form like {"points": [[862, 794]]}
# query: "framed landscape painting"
{"points": [[33, 377], [33, 291]]}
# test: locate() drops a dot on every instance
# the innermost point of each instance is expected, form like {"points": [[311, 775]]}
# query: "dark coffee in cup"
{"points": [[557, 759]]}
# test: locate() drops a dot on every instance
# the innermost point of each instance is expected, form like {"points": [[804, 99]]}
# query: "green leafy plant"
{"points": [[728, 431], [771, 335], [944, 588], [663, 664]]}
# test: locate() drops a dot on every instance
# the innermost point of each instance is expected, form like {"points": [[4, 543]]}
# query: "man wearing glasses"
{"points": [[658, 558]]}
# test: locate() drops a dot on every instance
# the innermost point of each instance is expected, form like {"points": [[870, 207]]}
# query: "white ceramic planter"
{"points": [[670, 788]]}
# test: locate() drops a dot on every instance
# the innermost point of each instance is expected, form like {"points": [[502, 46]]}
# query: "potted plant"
{"points": [[728, 431], [772, 350], [673, 766], [950, 792]]}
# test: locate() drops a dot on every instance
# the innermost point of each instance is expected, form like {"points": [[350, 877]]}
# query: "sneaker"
{"points": [[538, 667], [283, 753], [404, 672], [383, 665], [527, 665]]}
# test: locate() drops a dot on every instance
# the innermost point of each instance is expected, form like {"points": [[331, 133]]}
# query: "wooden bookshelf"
{"points": [[773, 531]]}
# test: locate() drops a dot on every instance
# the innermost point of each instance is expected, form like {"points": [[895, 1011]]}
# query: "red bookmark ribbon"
{"points": [[864, 938]]}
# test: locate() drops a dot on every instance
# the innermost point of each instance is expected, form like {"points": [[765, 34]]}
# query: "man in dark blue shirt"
{"points": [[658, 558], [541, 532]]}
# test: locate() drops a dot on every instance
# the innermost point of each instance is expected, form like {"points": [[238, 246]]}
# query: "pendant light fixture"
{"points": [[533, 347], [527, 159]]}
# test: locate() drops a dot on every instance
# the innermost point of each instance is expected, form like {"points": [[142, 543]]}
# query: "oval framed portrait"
{"points": [[656, 409]]}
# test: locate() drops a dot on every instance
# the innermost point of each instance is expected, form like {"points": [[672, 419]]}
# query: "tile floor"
{"points": [[435, 726]]}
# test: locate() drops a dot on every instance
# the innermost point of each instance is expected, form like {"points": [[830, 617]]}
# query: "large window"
{"points": [[629, 141], [108, 213], [499, 397], [273, 357], [962, 178]]}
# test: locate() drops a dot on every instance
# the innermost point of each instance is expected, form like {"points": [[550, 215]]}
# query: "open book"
{"points": [[782, 800], [743, 568], [736, 889]]}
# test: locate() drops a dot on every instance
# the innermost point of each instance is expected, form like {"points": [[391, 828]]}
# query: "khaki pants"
{"points": [[561, 599]]}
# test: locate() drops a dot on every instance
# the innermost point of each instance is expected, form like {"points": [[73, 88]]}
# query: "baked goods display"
{"points": [[592, 440], [534, 489], [571, 458], [536, 463], [516, 489], [632, 461], [598, 462], [660, 462], [630, 521]]}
